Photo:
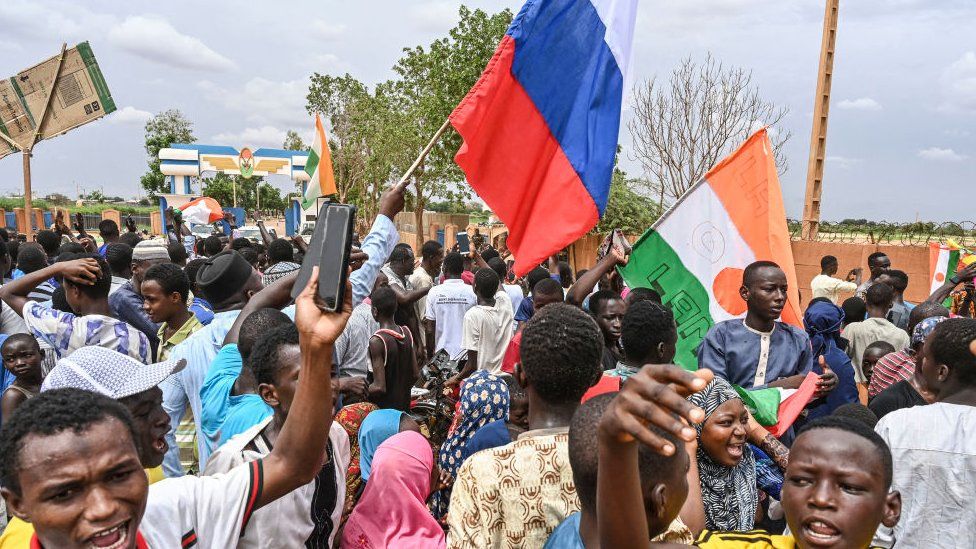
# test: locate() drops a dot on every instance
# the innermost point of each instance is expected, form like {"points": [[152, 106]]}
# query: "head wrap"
{"points": [[823, 322], [924, 328], [278, 271], [223, 275], [728, 493], [484, 398], [149, 250], [376, 428], [393, 510]]}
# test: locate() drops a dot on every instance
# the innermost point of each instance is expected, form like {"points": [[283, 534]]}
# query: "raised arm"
{"points": [[297, 454], [765, 441], [265, 235], [79, 271], [276, 296], [584, 285], [655, 395], [942, 292]]}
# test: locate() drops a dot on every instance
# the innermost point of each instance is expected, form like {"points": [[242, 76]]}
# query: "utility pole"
{"points": [[818, 137]]}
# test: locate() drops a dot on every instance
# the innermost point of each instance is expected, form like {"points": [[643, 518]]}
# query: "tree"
{"points": [[627, 209], [293, 142], [684, 127], [95, 196], [220, 187], [431, 82], [163, 130]]}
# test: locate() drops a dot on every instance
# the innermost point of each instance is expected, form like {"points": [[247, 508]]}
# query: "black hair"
{"points": [[854, 309], [827, 261], [565, 273], [71, 248], [857, 412], [102, 285], [548, 286], [535, 276], [950, 346], [858, 428], [819, 300], [383, 299], [212, 245], [240, 243], [498, 265], [31, 259], [13, 246], [256, 325], [4, 250], [643, 294], [280, 250], [515, 390], [923, 311], [401, 252], [50, 413], [879, 295], [561, 351], [264, 359], [131, 239], [177, 253], [59, 301], [489, 254], [752, 271], [250, 254], [453, 264], [430, 249], [646, 324], [107, 227], [170, 278], [14, 338], [192, 267], [873, 258], [882, 346], [49, 240], [486, 282], [599, 299], [899, 279], [584, 451]]}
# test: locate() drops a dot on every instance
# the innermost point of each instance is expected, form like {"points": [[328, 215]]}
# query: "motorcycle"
{"points": [[430, 406]]}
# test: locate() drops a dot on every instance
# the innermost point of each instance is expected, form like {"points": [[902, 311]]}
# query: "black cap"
{"points": [[223, 275]]}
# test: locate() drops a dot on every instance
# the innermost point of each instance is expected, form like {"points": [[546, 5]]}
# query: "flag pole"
{"points": [[423, 154]]}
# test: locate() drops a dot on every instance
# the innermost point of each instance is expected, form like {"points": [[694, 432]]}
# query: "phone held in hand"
{"points": [[464, 243], [329, 248]]}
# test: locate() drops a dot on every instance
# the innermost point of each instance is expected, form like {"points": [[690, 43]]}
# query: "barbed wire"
{"points": [[919, 233]]}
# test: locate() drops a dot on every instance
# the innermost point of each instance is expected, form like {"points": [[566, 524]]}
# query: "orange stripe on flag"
{"points": [[327, 184], [748, 186]]}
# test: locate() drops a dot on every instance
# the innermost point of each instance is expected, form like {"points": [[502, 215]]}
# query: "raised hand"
{"points": [[318, 328], [827, 381], [80, 271], [79, 222]]}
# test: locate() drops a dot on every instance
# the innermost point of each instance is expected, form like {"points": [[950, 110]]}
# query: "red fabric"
{"points": [[517, 167], [468, 278], [607, 384], [512, 354], [790, 408]]}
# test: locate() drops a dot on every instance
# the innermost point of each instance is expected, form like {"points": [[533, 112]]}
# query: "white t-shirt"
{"points": [[287, 522], [446, 305], [933, 450], [514, 293], [830, 287], [488, 330]]}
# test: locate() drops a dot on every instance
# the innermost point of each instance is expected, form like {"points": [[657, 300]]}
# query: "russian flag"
{"points": [[540, 126]]}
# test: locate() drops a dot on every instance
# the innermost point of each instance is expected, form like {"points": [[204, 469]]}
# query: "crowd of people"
{"points": [[169, 392]]}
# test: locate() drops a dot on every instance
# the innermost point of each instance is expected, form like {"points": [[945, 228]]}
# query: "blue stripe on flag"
{"points": [[566, 67]]}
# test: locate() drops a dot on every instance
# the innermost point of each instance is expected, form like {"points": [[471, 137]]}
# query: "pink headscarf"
{"points": [[393, 510]]}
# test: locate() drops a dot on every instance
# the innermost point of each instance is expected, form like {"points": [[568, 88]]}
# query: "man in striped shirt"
{"points": [[900, 365]]}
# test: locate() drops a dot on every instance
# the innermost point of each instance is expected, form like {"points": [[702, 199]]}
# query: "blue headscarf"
{"points": [[376, 428], [823, 322]]}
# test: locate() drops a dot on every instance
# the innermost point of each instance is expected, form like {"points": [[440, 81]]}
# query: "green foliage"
{"points": [[293, 142], [627, 210], [220, 187], [163, 130], [9, 203]]}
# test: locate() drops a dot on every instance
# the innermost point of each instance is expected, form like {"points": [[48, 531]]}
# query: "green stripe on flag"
{"points": [[313, 191], [654, 264], [952, 265], [763, 404]]}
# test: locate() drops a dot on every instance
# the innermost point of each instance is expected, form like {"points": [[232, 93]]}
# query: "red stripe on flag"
{"points": [[517, 167]]}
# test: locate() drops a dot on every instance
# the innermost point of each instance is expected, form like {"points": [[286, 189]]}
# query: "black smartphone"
{"points": [[312, 254], [334, 258], [464, 244]]}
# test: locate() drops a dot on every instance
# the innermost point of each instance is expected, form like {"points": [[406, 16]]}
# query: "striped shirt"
{"points": [[891, 369], [66, 332]]}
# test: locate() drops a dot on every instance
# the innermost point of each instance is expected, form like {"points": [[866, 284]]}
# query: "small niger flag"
{"points": [[201, 211], [776, 409], [319, 167]]}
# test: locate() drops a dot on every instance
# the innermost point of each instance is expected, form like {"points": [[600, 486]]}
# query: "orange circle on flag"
{"points": [[725, 288], [940, 277]]}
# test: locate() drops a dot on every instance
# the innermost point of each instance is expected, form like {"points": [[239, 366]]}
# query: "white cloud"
{"points": [[434, 16], [327, 31], [959, 85], [330, 63], [264, 136], [264, 102], [842, 162], [860, 104], [941, 155], [130, 115], [154, 38]]}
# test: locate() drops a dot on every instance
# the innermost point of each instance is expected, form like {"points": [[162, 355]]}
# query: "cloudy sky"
{"points": [[902, 130]]}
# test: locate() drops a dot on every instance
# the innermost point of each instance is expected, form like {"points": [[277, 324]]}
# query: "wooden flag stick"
{"points": [[423, 154]]}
